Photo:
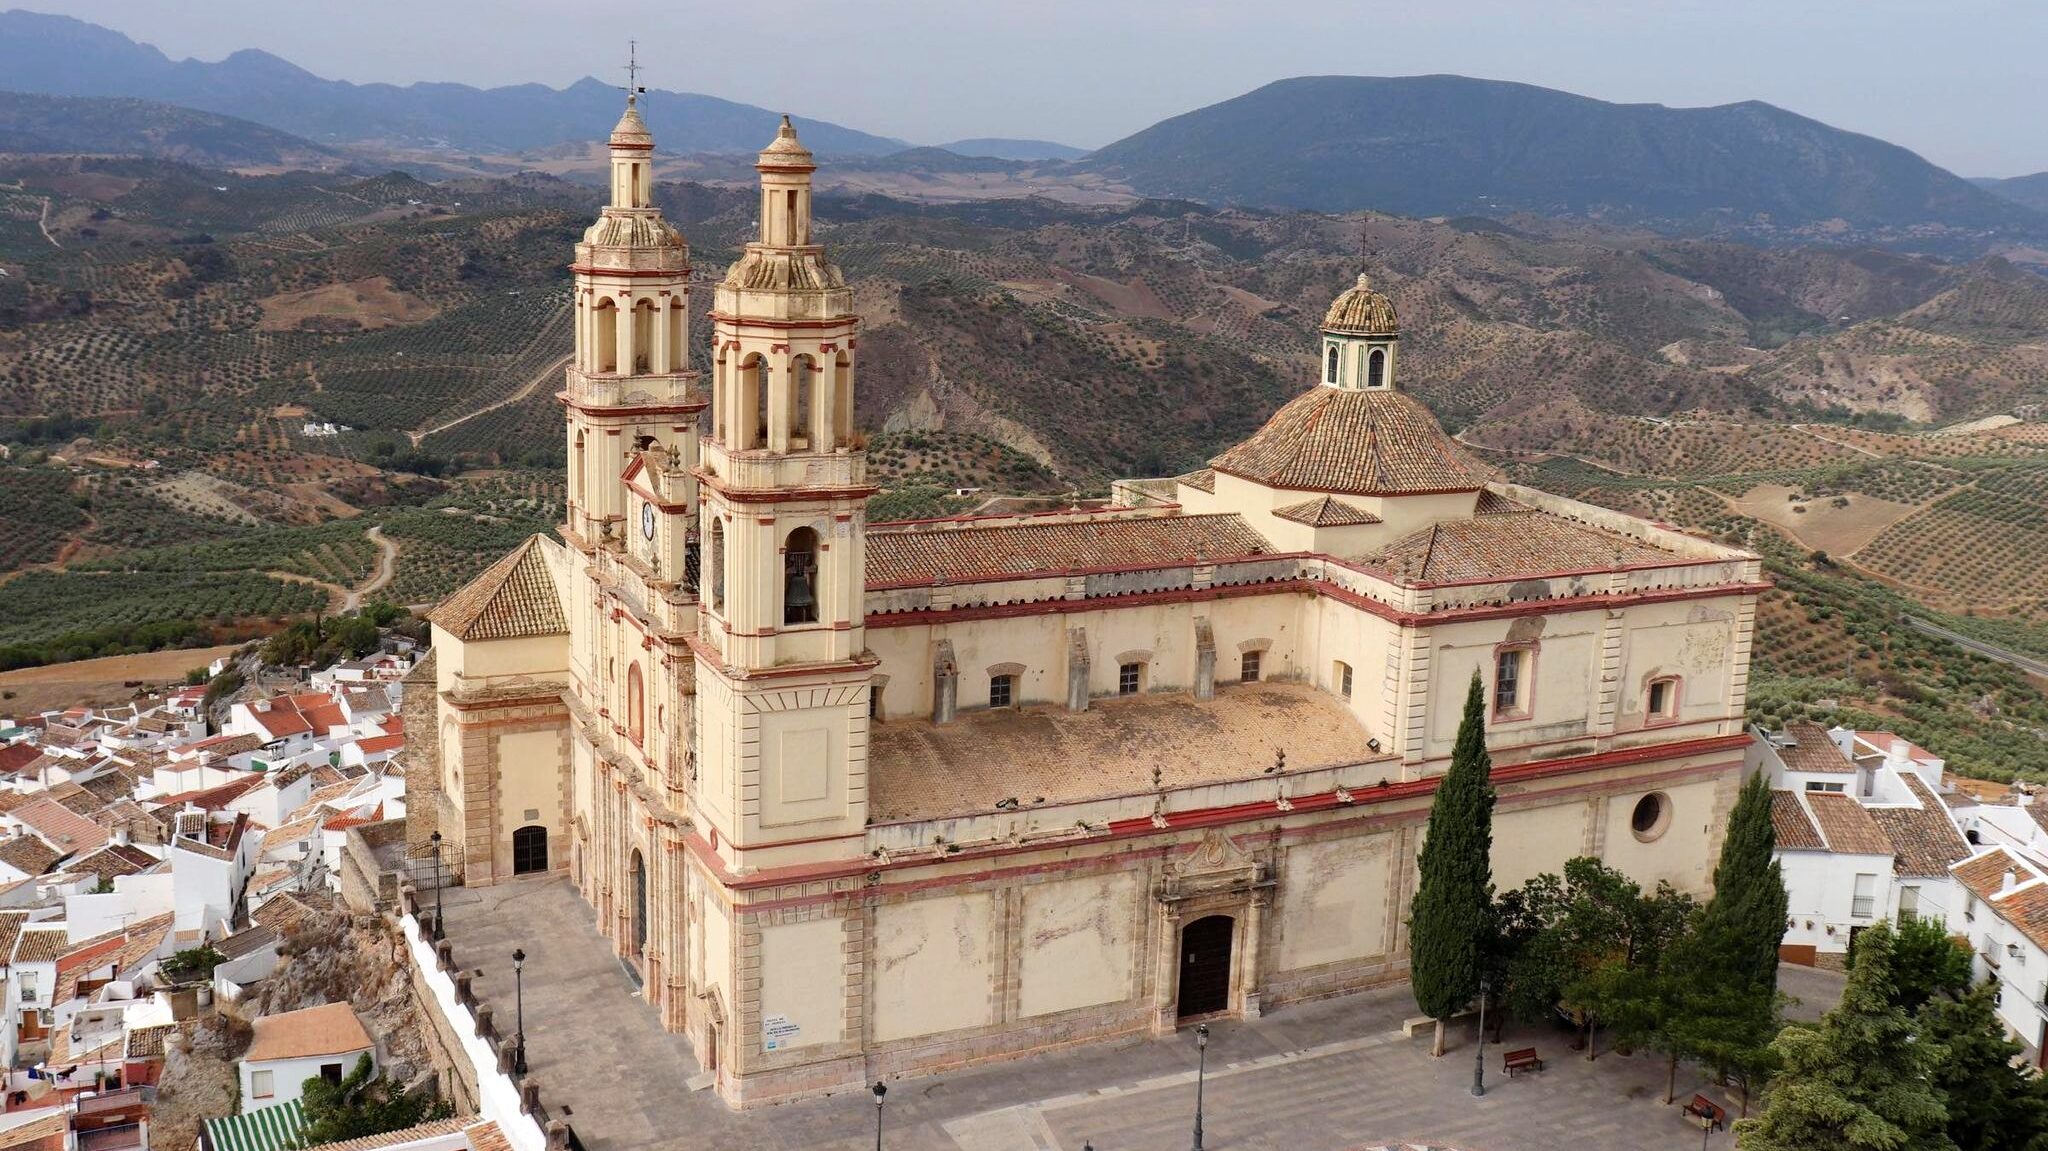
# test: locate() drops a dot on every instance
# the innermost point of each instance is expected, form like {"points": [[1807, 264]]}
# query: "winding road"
{"points": [[2024, 662], [387, 566]]}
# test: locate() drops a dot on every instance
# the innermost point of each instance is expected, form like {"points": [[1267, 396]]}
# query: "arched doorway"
{"points": [[529, 849], [1205, 966], [639, 904]]}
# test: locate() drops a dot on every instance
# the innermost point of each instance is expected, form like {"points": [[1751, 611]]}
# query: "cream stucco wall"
{"points": [[1334, 897], [1528, 842], [802, 983], [1081, 942], [931, 965], [1677, 854], [530, 785]]}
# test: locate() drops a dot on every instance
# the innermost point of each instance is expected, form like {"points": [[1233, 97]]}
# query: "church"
{"points": [[861, 800]]}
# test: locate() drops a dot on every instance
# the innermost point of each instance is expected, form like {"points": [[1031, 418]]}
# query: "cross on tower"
{"points": [[633, 87]]}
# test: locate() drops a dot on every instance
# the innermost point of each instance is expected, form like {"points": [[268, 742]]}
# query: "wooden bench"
{"points": [[1526, 1059], [1710, 1115]]}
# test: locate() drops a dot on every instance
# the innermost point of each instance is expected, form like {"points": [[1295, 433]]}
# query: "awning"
{"points": [[264, 1129]]}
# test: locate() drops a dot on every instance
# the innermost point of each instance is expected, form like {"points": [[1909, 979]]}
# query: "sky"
{"points": [[1958, 81]]}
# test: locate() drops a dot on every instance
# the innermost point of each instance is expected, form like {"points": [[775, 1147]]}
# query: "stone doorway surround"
{"points": [[1214, 877]]}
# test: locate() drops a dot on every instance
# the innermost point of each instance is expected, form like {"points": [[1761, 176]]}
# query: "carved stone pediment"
{"points": [[1213, 866]]}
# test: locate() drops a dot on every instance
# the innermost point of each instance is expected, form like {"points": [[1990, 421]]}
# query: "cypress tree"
{"points": [[1745, 921], [1451, 919]]}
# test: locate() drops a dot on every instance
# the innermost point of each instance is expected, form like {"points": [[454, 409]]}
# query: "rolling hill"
{"points": [[1006, 149], [60, 125], [63, 56], [1449, 145], [2031, 191]]}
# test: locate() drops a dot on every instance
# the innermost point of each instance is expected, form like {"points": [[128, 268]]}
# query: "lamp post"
{"points": [[519, 1006], [1201, 1074], [1479, 1051], [879, 1091], [436, 838]]}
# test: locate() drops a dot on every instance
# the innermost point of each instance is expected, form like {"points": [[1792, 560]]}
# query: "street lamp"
{"points": [[879, 1091], [519, 1005], [1201, 1073], [1479, 1052], [436, 838]]}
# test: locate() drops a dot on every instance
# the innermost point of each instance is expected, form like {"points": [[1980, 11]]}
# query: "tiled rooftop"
{"points": [[1846, 826], [1924, 837], [1514, 546], [1049, 754], [1812, 750], [514, 597], [1357, 442], [921, 556], [1985, 874], [1326, 512], [1793, 829]]}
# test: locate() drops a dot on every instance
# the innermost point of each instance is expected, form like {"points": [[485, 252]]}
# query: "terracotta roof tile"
{"points": [[148, 1042], [113, 861], [487, 1137], [961, 554], [1790, 825], [1326, 512], [2027, 909], [1504, 547], [29, 855], [431, 1129], [64, 829], [16, 756], [1924, 837], [11, 923], [1985, 874], [329, 1029], [1812, 750], [1201, 479], [1845, 825], [40, 944], [1356, 442], [514, 597], [1360, 311]]}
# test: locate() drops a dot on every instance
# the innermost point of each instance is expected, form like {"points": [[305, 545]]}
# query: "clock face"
{"points": [[647, 520]]}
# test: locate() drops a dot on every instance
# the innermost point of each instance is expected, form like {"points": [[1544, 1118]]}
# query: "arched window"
{"points": [[717, 565], [639, 903], [754, 402], [604, 332], [800, 577], [636, 704], [643, 336], [804, 381], [721, 396], [1376, 368], [1330, 366], [576, 471], [678, 355]]}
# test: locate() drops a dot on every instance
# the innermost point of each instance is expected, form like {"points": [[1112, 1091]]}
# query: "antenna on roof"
{"points": [[634, 90]]}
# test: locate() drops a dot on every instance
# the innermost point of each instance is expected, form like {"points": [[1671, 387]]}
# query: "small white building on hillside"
{"points": [[1863, 835], [295, 1046], [2004, 914]]}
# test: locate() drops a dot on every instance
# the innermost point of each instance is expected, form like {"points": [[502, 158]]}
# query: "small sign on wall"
{"points": [[777, 1032]]}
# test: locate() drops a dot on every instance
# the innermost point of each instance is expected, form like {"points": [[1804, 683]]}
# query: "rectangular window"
{"points": [[1344, 679], [1663, 702], [1969, 910], [874, 703], [1864, 904], [1000, 690], [1909, 903], [331, 1072], [1248, 667], [262, 1084], [1509, 670], [1813, 786], [1128, 678]]}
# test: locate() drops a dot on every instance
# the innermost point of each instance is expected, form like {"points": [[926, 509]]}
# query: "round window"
{"points": [[1651, 816]]}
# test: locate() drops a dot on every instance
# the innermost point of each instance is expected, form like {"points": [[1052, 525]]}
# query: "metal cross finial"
{"points": [[633, 87]]}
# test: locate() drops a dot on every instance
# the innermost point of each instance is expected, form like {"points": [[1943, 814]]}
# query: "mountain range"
{"points": [[62, 56], [1450, 146]]}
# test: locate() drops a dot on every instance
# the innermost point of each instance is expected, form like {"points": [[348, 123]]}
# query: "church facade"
{"points": [[861, 800]]}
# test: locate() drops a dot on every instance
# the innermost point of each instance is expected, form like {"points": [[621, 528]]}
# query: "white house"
{"points": [[295, 1046], [2004, 914], [1863, 835]]}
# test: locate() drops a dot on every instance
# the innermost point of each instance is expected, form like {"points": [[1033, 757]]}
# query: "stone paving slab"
{"points": [[1325, 1076]]}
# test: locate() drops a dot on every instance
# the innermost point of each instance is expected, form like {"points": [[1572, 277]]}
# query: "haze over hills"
{"points": [[1449, 145], [2031, 190], [1006, 149], [33, 124], [67, 57]]}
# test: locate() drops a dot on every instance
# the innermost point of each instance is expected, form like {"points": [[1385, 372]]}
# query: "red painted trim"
{"points": [[781, 325], [632, 273], [782, 495], [1357, 491], [1211, 817], [688, 408]]}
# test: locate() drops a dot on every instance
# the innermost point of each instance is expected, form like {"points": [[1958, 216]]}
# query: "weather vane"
{"points": [[633, 87]]}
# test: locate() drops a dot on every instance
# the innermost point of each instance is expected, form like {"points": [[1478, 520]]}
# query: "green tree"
{"points": [[1926, 963], [1745, 920], [363, 1103], [1861, 1079], [1993, 1105], [1451, 918]]}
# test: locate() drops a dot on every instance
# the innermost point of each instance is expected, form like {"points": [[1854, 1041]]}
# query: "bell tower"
{"points": [[783, 676]]}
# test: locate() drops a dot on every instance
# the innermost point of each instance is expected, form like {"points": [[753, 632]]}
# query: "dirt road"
{"points": [[387, 566]]}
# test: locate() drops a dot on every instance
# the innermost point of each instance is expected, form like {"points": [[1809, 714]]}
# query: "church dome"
{"points": [[631, 131], [1360, 311], [1367, 443]]}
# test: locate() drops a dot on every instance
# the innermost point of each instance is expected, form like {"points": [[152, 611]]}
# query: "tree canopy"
{"points": [[363, 1103], [1452, 914]]}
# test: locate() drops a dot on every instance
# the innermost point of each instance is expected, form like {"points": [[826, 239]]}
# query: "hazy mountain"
{"points": [[1000, 148], [1448, 145], [66, 57], [98, 126], [2031, 191]]}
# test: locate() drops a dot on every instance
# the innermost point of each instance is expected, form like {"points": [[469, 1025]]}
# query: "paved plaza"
{"points": [[1318, 1077]]}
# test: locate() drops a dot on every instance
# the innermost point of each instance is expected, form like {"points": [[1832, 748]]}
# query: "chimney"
{"points": [[2010, 878]]}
